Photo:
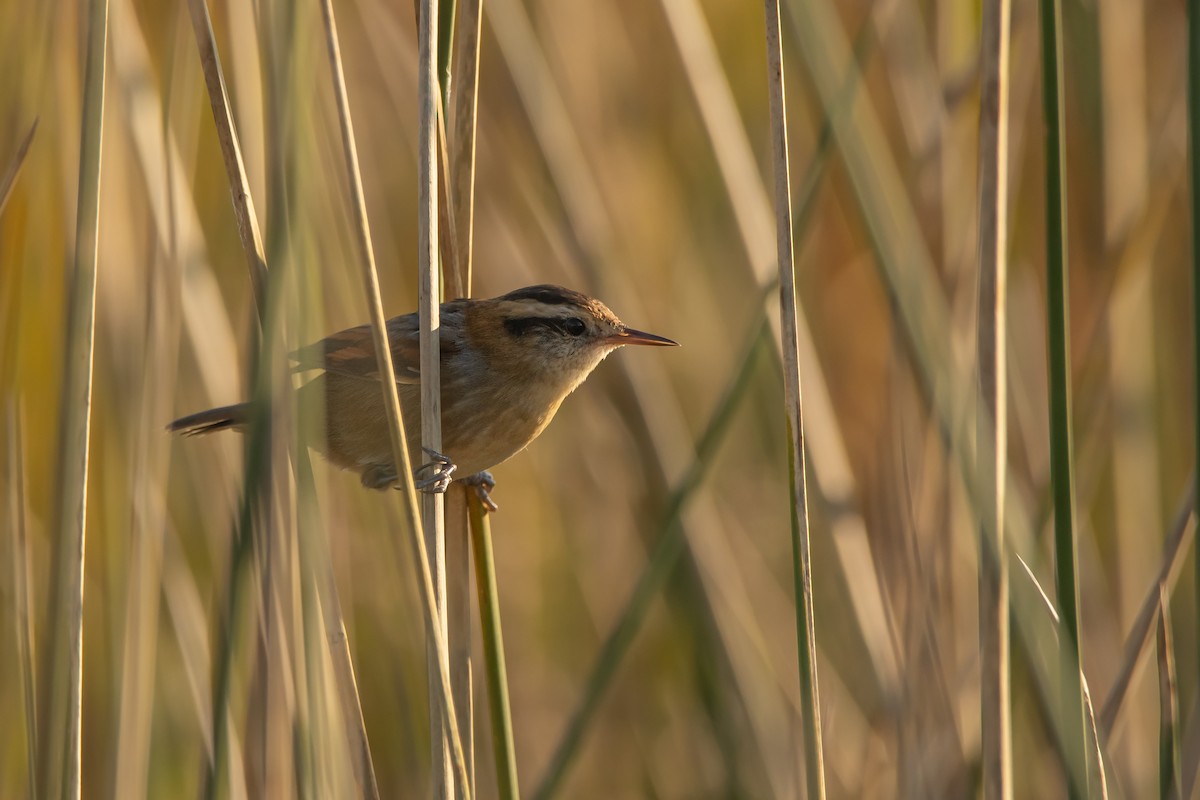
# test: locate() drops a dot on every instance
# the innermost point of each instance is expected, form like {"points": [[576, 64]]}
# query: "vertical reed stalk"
{"points": [[992, 428], [22, 598], [801, 560], [429, 315], [493, 652], [1193, 99], [1059, 345], [458, 619], [63, 707], [445, 50], [465, 117], [231, 153], [440, 690], [459, 174], [1169, 781], [257, 443]]}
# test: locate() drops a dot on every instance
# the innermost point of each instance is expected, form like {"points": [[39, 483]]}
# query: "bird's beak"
{"points": [[630, 336]]}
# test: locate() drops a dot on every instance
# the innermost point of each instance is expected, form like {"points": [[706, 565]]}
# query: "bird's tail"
{"points": [[215, 419]]}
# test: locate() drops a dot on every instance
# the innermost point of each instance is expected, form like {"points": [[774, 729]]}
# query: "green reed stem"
{"points": [[1193, 84], [493, 651], [806, 637], [1059, 346]]}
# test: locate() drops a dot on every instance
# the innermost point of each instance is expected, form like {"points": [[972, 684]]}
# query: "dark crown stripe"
{"points": [[550, 295]]}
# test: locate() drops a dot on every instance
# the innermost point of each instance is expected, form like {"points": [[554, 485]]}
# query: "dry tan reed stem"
{"points": [[992, 428], [231, 154], [440, 690], [22, 567], [429, 315], [459, 200], [465, 114], [60, 749]]}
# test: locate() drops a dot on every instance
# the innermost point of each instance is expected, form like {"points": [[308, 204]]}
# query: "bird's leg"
{"points": [[440, 473], [483, 483]]}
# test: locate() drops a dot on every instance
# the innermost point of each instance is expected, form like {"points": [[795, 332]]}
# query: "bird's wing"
{"points": [[352, 352]]}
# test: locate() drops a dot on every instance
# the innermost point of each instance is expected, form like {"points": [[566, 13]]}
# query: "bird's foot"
{"points": [[438, 473], [483, 483]]}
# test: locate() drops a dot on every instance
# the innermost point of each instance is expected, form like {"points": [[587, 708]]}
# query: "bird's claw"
{"points": [[483, 483], [440, 472]]}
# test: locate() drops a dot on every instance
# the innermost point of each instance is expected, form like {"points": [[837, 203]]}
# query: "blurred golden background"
{"points": [[623, 151]]}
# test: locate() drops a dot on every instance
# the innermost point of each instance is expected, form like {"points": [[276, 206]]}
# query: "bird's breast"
{"points": [[486, 422]]}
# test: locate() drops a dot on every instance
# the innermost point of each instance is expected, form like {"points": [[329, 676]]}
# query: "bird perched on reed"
{"points": [[507, 363]]}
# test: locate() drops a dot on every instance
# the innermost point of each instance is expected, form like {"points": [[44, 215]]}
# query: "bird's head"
{"points": [[554, 333]]}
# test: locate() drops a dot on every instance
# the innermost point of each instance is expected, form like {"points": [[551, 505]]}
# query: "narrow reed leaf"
{"points": [[1098, 778], [459, 594], [231, 153], [440, 689], [230, 621], [9, 179], [500, 712], [992, 428], [258, 441], [22, 588], [1169, 779], [458, 159], [462, 163], [456, 195], [806, 636], [447, 235], [446, 10], [662, 561], [1190, 764], [1193, 117], [62, 706], [362, 763], [1059, 347], [1138, 640]]}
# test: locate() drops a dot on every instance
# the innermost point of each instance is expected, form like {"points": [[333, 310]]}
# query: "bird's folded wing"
{"points": [[352, 352]]}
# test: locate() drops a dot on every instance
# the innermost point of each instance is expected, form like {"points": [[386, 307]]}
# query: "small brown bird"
{"points": [[507, 363]]}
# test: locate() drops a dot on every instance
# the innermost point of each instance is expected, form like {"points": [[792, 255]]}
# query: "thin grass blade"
{"points": [[1138, 640], [806, 635], [493, 651], [1059, 346], [11, 174], [992, 428], [1169, 779], [22, 589], [1193, 125], [61, 729]]}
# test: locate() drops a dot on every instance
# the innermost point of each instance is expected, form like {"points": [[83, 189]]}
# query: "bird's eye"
{"points": [[574, 326]]}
